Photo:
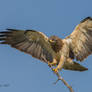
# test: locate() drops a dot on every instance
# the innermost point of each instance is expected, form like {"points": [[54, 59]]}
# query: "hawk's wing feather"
{"points": [[81, 39], [30, 41]]}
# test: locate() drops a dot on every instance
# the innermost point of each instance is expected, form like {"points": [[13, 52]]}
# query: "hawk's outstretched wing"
{"points": [[81, 39], [30, 41]]}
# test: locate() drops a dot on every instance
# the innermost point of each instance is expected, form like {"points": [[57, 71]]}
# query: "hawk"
{"points": [[53, 50]]}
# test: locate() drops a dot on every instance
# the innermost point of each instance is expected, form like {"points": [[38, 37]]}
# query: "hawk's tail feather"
{"points": [[75, 67]]}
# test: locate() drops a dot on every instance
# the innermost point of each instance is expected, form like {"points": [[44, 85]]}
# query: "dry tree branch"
{"points": [[62, 79]]}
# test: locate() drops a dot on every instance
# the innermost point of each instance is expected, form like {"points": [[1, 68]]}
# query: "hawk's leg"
{"points": [[60, 65]]}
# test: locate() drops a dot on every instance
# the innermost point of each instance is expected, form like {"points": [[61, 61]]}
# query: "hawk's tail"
{"points": [[75, 67]]}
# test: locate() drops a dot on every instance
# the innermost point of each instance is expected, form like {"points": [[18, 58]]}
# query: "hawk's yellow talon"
{"points": [[51, 64], [55, 70]]}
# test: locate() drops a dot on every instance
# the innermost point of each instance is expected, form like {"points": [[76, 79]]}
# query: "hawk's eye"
{"points": [[53, 39]]}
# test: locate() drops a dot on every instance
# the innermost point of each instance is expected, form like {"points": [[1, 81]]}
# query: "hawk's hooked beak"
{"points": [[51, 41]]}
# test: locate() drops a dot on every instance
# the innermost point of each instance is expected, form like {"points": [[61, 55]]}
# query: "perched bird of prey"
{"points": [[53, 50]]}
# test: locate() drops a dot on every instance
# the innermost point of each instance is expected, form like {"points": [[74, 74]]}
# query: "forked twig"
{"points": [[62, 79]]}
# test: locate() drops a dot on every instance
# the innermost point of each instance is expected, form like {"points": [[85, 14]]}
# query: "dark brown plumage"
{"points": [[56, 43], [87, 18]]}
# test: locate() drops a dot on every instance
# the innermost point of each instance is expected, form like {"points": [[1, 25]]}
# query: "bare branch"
{"points": [[62, 79]]}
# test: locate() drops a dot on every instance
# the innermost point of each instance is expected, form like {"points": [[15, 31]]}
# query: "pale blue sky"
{"points": [[53, 17]]}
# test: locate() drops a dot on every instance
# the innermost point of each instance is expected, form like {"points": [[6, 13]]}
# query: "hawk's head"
{"points": [[56, 43]]}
